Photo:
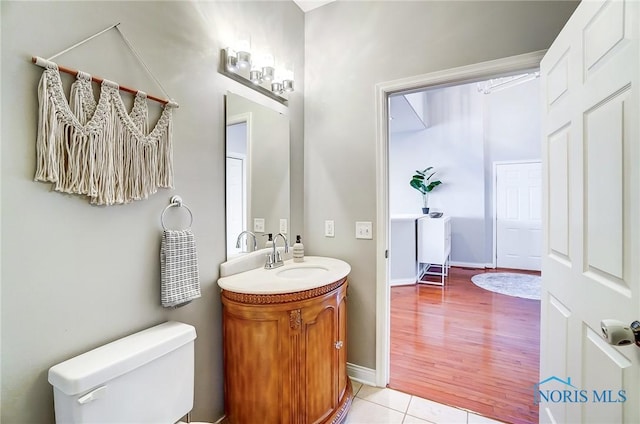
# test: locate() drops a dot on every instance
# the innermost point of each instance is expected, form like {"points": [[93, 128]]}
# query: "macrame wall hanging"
{"points": [[98, 149]]}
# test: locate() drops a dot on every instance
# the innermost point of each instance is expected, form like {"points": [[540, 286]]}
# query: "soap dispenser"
{"points": [[298, 250]]}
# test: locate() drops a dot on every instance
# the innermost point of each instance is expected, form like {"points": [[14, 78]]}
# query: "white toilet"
{"points": [[146, 377]]}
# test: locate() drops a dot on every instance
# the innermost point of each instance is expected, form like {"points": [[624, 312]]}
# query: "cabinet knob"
{"points": [[338, 344]]}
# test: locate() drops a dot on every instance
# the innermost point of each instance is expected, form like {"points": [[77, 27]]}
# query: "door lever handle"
{"points": [[618, 334], [635, 327]]}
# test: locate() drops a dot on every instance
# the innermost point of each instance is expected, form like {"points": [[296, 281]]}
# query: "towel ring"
{"points": [[176, 201]]}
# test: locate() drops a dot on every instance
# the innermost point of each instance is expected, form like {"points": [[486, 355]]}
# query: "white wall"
{"points": [[453, 145], [469, 131], [75, 276], [237, 138], [369, 43], [512, 133]]}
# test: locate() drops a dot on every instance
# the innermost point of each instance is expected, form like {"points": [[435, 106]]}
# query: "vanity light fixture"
{"points": [[256, 72]]}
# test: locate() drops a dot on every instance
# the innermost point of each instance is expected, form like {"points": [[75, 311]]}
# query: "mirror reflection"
{"points": [[257, 173]]}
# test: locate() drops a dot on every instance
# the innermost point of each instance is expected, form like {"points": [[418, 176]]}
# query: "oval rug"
{"points": [[509, 283]]}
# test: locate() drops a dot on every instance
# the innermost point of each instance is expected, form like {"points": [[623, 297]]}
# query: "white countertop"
{"points": [[315, 271]]}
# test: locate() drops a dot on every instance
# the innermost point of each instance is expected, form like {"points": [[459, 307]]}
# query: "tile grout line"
{"points": [[405, 412]]}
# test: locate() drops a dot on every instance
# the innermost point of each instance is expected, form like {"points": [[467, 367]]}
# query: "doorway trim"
{"points": [[448, 77], [243, 165], [245, 117]]}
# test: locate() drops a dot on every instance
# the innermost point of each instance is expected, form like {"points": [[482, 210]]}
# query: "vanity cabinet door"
{"points": [[320, 359], [342, 344], [254, 368]]}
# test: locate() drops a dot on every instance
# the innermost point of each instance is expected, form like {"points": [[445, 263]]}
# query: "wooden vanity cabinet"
{"points": [[285, 356]]}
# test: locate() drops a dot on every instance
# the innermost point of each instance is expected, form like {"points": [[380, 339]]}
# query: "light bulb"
{"points": [[232, 61], [287, 85], [276, 87], [255, 76], [243, 46], [244, 59], [268, 73]]}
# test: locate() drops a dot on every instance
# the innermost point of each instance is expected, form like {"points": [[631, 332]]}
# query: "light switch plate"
{"points": [[258, 225], [364, 230], [329, 227], [283, 225]]}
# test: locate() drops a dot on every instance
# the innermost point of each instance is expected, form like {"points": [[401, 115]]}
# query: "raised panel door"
{"points": [[518, 220], [342, 345], [253, 375], [320, 332], [591, 221]]}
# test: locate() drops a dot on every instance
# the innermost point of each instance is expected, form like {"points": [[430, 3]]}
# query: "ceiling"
{"points": [[403, 116], [307, 5]]}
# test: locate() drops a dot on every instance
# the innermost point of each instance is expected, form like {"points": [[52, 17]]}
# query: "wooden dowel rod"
{"points": [[99, 81]]}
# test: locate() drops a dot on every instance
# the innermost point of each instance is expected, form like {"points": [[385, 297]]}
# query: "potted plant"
{"points": [[424, 185]]}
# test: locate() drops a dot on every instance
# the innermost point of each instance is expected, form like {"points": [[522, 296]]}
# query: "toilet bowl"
{"points": [[146, 377]]}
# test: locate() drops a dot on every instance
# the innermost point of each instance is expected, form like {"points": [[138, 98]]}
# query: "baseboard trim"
{"points": [[471, 264], [361, 374], [403, 281]]}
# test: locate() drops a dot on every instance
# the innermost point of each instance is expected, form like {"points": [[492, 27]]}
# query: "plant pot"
{"points": [[425, 210]]}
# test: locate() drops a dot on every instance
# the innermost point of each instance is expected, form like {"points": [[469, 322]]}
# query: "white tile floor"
{"points": [[373, 405]]}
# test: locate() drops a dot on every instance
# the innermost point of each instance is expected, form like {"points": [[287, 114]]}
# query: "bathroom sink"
{"points": [[315, 271], [301, 271]]}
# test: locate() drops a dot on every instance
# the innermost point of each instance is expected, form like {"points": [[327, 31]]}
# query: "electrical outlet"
{"points": [[329, 228], [258, 225], [364, 230], [283, 225]]}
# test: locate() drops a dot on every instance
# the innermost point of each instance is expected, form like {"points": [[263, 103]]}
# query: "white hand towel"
{"points": [[178, 268]]}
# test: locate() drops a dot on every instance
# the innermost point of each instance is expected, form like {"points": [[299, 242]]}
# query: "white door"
{"points": [[518, 215], [591, 218], [236, 201]]}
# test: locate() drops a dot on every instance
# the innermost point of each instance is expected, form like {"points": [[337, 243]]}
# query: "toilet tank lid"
{"points": [[90, 369]]}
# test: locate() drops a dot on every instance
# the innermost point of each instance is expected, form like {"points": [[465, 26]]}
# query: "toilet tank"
{"points": [[146, 377]]}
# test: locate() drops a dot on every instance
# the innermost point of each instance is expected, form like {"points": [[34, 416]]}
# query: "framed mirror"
{"points": [[257, 172]]}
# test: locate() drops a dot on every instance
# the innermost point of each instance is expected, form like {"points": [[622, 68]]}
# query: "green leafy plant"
{"points": [[421, 182]]}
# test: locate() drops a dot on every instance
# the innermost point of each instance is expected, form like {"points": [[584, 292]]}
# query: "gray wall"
{"points": [[368, 43], [75, 276]]}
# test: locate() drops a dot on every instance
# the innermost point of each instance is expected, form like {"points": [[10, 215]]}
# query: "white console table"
{"points": [[434, 247]]}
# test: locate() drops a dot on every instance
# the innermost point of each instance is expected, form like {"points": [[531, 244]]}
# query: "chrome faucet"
{"points": [[248, 233], [274, 260]]}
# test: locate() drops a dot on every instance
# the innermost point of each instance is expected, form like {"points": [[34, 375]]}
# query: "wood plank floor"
{"points": [[466, 347]]}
